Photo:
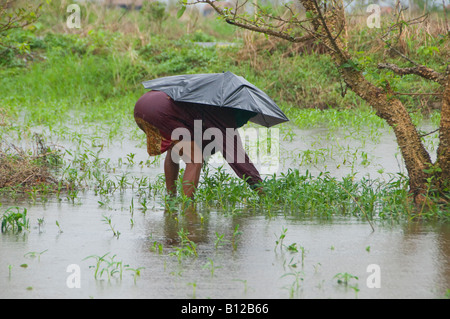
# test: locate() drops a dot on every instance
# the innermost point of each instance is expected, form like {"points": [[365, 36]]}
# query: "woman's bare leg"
{"points": [[191, 177], [171, 169], [191, 155]]}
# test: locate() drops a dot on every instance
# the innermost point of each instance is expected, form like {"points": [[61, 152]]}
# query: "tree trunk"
{"points": [[394, 112], [443, 151]]}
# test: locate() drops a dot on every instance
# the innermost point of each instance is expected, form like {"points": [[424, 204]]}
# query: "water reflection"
{"points": [[190, 221]]}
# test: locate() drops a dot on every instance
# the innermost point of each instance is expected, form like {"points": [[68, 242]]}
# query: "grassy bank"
{"points": [[103, 63]]}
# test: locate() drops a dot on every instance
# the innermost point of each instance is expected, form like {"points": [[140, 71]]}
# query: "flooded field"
{"points": [[113, 246]]}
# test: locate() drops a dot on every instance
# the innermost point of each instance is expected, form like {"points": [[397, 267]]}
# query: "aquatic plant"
{"points": [[157, 247], [15, 219], [210, 265], [220, 240], [108, 220], [344, 278], [108, 265], [280, 239], [136, 272], [34, 254], [186, 248], [295, 286], [235, 237], [59, 227]]}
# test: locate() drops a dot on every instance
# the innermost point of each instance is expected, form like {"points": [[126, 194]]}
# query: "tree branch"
{"points": [[268, 31], [420, 70], [232, 18]]}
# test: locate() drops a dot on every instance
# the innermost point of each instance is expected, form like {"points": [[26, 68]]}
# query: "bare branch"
{"points": [[419, 70], [232, 17], [271, 32], [19, 18]]}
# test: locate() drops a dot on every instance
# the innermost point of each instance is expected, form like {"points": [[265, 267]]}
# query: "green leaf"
{"points": [[181, 11]]}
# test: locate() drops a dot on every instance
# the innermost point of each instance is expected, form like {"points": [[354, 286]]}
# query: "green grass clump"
{"points": [[14, 220], [303, 195]]}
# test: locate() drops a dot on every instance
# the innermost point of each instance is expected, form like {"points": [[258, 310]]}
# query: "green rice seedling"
{"points": [[344, 278], [59, 227], [40, 223], [130, 159], [280, 239], [194, 288], [99, 261], [132, 206], [293, 263], [170, 204], [220, 240], [107, 220], [136, 272], [295, 286], [186, 248], [72, 195], [15, 220], [157, 247], [292, 248], [235, 237], [111, 267], [34, 254], [210, 265], [122, 181], [143, 203]]}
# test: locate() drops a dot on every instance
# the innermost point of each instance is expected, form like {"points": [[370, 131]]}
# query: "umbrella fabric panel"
{"points": [[190, 88], [221, 90]]}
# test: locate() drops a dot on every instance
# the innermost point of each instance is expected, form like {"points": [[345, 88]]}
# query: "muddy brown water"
{"points": [[397, 260]]}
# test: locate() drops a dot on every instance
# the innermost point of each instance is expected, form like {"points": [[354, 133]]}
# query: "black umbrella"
{"points": [[222, 90]]}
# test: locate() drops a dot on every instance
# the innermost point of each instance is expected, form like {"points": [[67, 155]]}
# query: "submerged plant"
{"points": [[344, 278], [157, 247], [40, 223], [280, 239], [186, 248], [210, 265], [194, 288], [234, 239], [111, 267], [15, 220], [136, 272], [34, 254], [295, 286], [108, 221], [59, 227], [220, 240]]}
